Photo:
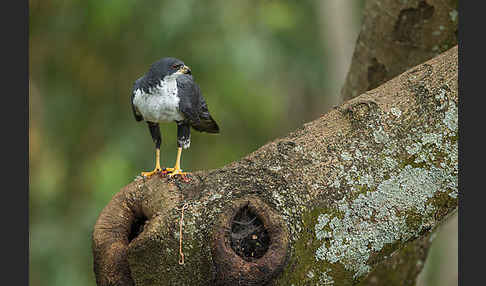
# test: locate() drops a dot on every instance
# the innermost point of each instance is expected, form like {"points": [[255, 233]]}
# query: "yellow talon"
{"points": [[150, 174], [177, 172], [157, 169], [177, 168], [170, 171]]}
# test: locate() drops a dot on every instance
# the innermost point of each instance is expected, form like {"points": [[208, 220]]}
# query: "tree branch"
{"points": [[396, 35], [338, 198]]}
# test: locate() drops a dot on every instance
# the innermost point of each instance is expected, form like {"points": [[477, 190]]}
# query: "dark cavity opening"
{"points": [[137, 227], [410, 22], [249, 237]]}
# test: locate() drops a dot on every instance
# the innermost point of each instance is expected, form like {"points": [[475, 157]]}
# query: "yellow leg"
{"points": [[177, 168], [157, 165]]}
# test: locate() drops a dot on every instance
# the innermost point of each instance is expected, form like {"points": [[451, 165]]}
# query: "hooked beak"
{"points": [[185, 69]]}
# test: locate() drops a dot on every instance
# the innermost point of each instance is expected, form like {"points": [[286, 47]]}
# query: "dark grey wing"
{"points": [[188, 100], [193, 106], [137, 114], [208, 123]]}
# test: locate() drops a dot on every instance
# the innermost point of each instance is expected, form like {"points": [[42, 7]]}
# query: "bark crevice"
{"points": [[344, 198]]}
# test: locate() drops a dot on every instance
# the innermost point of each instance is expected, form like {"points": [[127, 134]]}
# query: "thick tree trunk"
{"points": [[396, 35], [343, 200]]}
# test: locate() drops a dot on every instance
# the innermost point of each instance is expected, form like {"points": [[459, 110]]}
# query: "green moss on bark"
{"points": [[303, 268]]}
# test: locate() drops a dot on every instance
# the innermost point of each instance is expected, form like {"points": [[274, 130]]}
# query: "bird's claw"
{"points": [[155, 171], [179, 172]]}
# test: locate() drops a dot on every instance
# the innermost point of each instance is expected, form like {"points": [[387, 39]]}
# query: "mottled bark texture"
{"points": [[344, 199], [396, 35]]}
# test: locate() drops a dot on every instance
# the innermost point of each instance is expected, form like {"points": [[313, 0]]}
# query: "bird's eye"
{"points": [[174, 66]]}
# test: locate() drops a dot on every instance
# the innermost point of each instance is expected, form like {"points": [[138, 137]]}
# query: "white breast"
{"points": [[161, 104]]}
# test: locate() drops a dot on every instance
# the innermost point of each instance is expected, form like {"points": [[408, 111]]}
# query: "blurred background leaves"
{"points": [[264, 67]]}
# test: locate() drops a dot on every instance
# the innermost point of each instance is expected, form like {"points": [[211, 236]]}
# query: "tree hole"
{"points": [[136, 228], [249, 237]]}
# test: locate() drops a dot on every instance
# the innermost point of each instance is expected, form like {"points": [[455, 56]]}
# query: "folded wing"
{"points": [[193, 106]]}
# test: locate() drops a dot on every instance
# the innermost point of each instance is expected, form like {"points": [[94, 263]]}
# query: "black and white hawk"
{"points": [[168, 93]]}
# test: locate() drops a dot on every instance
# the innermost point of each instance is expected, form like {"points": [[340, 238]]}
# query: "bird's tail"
{"points": [[207, 125]]}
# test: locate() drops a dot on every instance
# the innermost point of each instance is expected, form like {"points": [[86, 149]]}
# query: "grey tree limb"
{"points": [[396, 35], [343, 199]]}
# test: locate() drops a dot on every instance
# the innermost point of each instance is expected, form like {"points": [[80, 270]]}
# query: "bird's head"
{"points": [[169, 67]]}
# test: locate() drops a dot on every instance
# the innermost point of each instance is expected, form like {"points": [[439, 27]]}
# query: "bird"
{"points": [[167, 93]]}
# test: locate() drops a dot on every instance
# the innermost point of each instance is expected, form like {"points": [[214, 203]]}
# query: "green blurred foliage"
{"points": [[261, 66]]}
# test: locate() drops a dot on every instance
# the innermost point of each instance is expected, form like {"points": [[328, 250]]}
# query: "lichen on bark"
{"points": [[367, 180], [407, 186]]}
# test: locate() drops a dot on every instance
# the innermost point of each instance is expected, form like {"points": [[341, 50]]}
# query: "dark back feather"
{"points": [[193, 105]]}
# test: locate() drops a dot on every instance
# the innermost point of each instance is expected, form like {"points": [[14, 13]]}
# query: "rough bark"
{"points": [[396, 35], [343, 199]]}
